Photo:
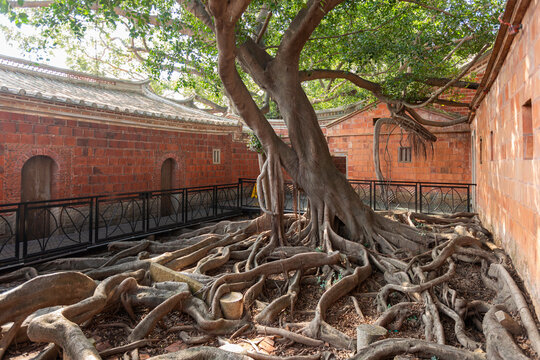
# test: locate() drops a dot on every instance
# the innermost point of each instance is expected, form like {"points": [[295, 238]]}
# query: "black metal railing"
{"points": [[425, 197], [40, 230]]}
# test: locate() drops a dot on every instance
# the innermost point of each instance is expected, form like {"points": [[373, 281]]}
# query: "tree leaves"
{"points": [[380, 40]]}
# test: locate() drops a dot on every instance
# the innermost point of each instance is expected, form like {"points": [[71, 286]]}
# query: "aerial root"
{"points": [[61, 326], [459, 327], [124, 348], [210, 353], [509, 286], [499, 343], [8, 337], [149, 322], [318, 328], [397, 313], [385, 290], [247, 257], [26, 273], [62, 288], [272, 310], [391, 347]]}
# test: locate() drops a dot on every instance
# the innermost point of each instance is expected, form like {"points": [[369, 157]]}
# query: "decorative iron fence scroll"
{"points": [[33, 232], [426, 197]]}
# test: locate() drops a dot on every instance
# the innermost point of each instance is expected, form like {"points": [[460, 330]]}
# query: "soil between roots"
{"points": [[110, 329]]}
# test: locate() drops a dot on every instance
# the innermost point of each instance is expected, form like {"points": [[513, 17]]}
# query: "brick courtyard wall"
{"points": [[101, 156], [508, 179], [352, 137]]}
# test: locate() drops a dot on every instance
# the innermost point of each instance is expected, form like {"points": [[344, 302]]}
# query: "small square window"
{"points": [[404, 154], [216, 156]]}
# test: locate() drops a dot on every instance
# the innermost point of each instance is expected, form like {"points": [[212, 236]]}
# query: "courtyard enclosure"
{"points": [[108, 136], [349, 133], [343, 240], [37, 231], [506, 127]]}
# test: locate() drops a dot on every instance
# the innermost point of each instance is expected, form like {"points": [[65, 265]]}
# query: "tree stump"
{"points": [[367, 334], [232, 305]]}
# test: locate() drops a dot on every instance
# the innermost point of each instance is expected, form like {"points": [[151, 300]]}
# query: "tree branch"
{"points": [[303, 25], [152, 20], [197, 9], [225, 20], [443, 81], [216, 108], [229, 11], [375, 88], [423, 121], [462, 73]]}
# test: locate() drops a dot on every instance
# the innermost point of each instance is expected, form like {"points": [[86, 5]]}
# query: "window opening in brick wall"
{"points": [[481, 151], [216, 156], [528, 139], [341, 163], [491, 146], [404, 154]]}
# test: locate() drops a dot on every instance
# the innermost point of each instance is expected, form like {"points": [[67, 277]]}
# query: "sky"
{"points": [[14, 49]]}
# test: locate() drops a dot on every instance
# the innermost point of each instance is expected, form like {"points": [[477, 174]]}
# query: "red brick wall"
{"points": [[508, 195], [448, 162], [97, 157]]}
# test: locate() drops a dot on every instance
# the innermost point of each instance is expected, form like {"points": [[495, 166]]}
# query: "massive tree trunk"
{"points": [[307, 159]]}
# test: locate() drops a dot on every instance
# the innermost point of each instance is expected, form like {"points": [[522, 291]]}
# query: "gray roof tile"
{"points": [[30, 79]]}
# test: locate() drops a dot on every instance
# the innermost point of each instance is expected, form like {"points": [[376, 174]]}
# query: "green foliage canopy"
{"points": [[396, 44]]}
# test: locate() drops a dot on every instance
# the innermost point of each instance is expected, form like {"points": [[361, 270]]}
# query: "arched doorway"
{"points": [[167, 183], [36, 185]]}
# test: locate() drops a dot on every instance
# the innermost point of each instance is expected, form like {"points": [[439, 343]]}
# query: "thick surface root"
{"points": [[410, 277]]}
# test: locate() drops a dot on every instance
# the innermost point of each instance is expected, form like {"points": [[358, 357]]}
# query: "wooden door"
{"points": [[36, 185], [166, 184]]}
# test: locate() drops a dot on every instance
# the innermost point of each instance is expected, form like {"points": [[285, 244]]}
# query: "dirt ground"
{"points": [[110, 329]]}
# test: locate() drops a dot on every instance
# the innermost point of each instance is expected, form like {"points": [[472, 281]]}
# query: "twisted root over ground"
{"points": [[55, 305]]}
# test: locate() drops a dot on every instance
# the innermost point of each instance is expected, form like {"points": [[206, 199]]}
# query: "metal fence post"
{"points": [[420, 197], [468, 198], [238, 192], [371, 194], [374, 195], [146, 210], [23, 230], [96, 226], [19, 230], [416, 186], [241, 191], [215, 202], [91, 221], [184, 205]]}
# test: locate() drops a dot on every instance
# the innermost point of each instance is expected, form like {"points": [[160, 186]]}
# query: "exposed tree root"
{"points": [[390, 347], [500, 344], [411, 273]]}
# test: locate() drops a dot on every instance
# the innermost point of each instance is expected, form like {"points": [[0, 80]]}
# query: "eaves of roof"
{"points": [[513, 14], [50, 84], [430, 109]]}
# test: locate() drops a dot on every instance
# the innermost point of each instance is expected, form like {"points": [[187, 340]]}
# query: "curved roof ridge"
{"points": [[53, 72]]}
